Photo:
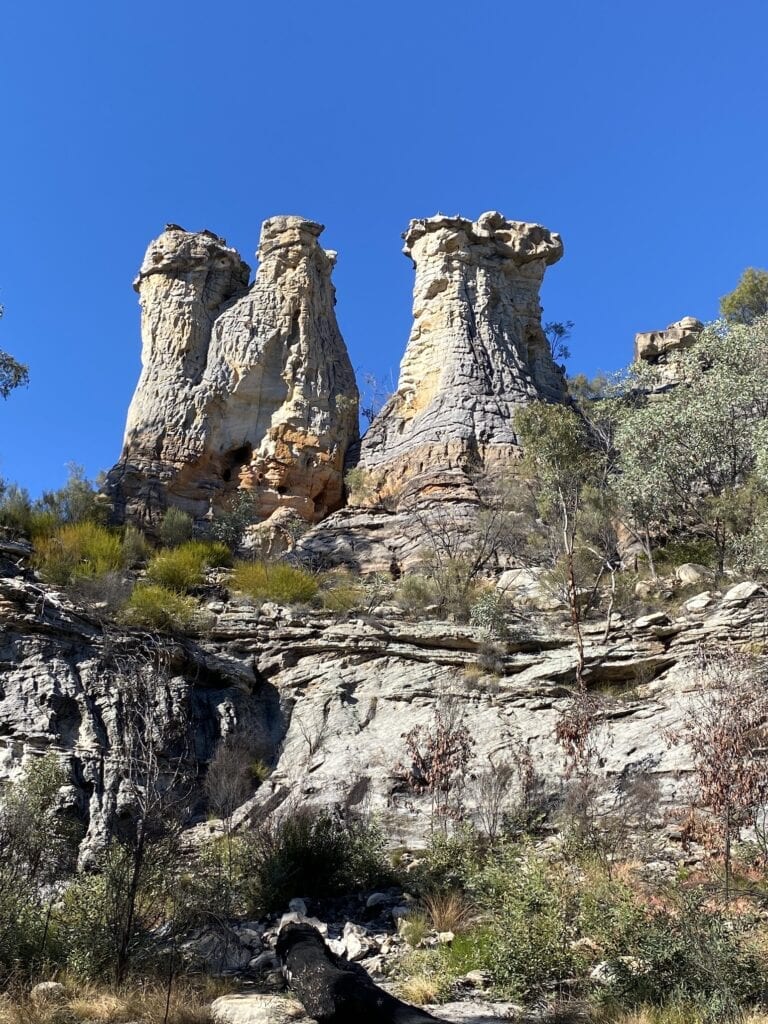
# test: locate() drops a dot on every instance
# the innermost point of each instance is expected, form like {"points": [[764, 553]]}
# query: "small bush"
{"points": [[415, 593], [487, 613], [80, 550], [231, 522], [274, 581], [342, 592], [135, 547], [157, 608], [176, 527], [183, 568], [316, 853]]}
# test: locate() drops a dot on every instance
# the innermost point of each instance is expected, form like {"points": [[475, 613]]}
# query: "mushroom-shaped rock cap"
{"points": [[177, 251], [282, 232], [490, 235]]}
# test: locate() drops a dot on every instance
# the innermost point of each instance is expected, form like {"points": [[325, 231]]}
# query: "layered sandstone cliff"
{"points": [[240, 387], [476, 353]]}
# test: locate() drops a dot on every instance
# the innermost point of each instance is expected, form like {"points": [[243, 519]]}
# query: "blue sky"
{"points": [[636, 130]]}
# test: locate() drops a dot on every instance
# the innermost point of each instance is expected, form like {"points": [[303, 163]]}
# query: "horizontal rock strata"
{"points": [[476, 354]]}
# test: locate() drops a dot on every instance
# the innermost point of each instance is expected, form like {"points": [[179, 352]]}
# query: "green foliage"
{"points": [[679, 951], [748, 300], [38, 847], [79, 551], [183, 568], [176, 528], [361, 486], [341, 592], [161, 610], [135, 547], [274, 581], [415, 593], [488, 613], [315, 853], [12, 373], [230, 522], [76, 501], [706, 438]]}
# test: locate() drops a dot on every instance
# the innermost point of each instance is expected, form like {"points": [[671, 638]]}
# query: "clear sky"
{"points": [[636, 129]]}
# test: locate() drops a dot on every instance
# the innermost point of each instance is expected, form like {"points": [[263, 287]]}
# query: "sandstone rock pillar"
{"points": [[240, 387]]}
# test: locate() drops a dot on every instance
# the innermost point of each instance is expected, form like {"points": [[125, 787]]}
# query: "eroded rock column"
{"points": [[241, 387], [476, 353]]}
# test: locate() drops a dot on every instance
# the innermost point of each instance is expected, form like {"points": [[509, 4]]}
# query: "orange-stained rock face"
{"points": [[241, 386]]}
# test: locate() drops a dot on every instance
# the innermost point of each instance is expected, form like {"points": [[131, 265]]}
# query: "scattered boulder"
{"points": [[742, 593], [257, 1008], [690, 573], [658, 346], [48, 992]]}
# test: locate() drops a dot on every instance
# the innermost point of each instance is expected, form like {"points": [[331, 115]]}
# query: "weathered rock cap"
{"points": [[653, 346], [177, 251], [290, 232], [491, 235]]}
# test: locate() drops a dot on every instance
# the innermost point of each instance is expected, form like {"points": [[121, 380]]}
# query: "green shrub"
{"points": [[183, 568], [135, 547], [487, 613], [317, 854], [231, 522], [157, 608], [342, 592], [274, 581], [681, 951], [415, 593], [80, 550], [176, 527]]}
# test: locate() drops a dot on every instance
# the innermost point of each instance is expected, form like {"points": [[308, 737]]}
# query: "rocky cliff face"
{"points": [[476, 353], [329, 699], [240, 387]]}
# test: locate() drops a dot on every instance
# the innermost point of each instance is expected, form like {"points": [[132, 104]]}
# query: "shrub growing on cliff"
{"points": [[79, 551], [176, 527], [161, 610], [183, 568], [274, 581]]}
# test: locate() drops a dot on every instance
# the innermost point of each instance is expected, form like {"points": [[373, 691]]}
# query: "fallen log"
{"points": [[333, 990]]}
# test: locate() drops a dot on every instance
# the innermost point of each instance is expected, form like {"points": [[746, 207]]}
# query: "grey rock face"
{"points": [[240, 387], [331, 699]]}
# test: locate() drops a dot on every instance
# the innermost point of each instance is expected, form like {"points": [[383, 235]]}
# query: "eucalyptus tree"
{"points": [[687, 454]]}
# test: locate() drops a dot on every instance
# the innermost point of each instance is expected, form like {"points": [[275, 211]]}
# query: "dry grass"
{"points": [[449, 912], [189, 1004], [420, 989]]}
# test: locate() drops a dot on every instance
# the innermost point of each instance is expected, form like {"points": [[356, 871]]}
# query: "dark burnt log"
{"points": [[333, 990]]}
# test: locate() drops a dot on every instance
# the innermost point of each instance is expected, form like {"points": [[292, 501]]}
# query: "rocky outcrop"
{"points": [[328, 699], [658, 346], [476, 354], [241, 387]]}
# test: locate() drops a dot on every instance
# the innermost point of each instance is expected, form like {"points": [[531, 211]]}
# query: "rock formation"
{"points": [[329, 699], [476, 353], [658, 346], [240, 387]]}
